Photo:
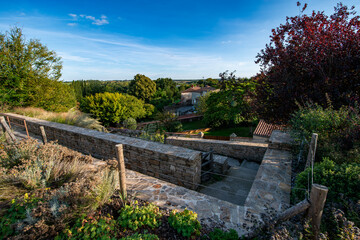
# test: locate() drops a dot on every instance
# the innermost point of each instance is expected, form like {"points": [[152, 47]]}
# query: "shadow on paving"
{"points": [[235, 187]]}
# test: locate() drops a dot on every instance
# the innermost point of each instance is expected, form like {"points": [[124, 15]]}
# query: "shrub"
{"points": [[89, 227], [138, 236], [19, 210], [185, 223], [130, 123], [341, 179], [339, 131], [112, 108], [42, 166], [218, 234], [169, 121], [136, 217]]}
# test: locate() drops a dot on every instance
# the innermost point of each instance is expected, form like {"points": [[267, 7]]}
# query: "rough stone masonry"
{"points": [[177, 165]]}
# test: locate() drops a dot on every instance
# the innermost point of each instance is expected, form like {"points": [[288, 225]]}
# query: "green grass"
{"points": [[193, 125], [239, 131]]}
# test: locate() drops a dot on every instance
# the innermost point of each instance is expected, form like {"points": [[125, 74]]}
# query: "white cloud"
{"points": [[73, 16], [70, 57], [72, 24], [100, 21]]}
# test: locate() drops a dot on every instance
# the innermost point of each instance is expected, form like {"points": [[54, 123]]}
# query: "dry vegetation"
{"points": [[44, 186], [72, 117]]}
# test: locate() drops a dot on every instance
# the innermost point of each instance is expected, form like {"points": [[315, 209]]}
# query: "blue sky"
{"points": [[181, 39]]}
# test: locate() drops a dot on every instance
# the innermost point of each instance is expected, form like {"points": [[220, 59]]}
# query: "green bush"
{"points": [[341, 179], [316, 119], [338, 130], [138, 236], [218, 234], [19, 210], [130, 123], [185, 223], [136, 217], [88, 227], [112, 108]]}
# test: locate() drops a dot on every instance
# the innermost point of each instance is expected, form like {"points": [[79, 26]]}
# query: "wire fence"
{"points": [[304, 160]]}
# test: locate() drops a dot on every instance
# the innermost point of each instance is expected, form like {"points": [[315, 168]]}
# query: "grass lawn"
{"points": [[239, 131], [193, 125]]}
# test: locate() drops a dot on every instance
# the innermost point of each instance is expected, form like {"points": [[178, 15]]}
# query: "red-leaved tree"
{"points": [[310, 58]]}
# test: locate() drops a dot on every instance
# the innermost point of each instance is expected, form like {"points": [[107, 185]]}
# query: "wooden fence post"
{"points": [[43, 134], [312, 150], [317, 200], [7, 129], [121, 167]]}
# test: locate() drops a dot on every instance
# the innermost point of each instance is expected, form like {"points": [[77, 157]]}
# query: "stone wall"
{"points": [[252, 151], [173, 164]]}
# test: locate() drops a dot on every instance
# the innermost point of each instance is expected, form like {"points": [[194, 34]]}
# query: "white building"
{"points": [[191, 95]]}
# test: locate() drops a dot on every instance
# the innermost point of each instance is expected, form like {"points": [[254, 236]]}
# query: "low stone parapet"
{"points": [[171, 163], [252, 151]]}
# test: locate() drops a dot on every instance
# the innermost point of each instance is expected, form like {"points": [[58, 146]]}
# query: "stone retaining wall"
{"points": [[173, 164], [252, 151]]}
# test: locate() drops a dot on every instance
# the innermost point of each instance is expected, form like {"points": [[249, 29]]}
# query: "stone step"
{"points": [[250, 165], [242, 173]]}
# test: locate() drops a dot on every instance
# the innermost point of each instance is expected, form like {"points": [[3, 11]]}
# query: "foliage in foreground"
{"points": [[135, 217], [185, 223], [18, 211], [90, 227], [56, 175], [338, 130], [343, 181], [138, 236], [219, 234]]}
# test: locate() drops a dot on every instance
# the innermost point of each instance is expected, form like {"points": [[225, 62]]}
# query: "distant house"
{"points": [[191, 95]]}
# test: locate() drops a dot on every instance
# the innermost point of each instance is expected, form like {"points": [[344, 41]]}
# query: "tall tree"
{"points": [[142, 87], [231, 105], [310, 58], [29, 74]]}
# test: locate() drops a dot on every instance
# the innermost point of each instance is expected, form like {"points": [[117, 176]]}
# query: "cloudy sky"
{"points": [[181, 39]]}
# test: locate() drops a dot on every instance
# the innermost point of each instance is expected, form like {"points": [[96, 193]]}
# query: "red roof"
{"points": [[265, 129], [199, 89]]}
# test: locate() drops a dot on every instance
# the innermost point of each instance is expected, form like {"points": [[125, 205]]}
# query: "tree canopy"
{"points": [[310, 58], [29, 74], [142, 87], [112, 108], [231, 105]]}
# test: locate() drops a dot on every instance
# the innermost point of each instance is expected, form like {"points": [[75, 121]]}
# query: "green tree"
{"points": [[201, 106], [142, 87], [112, 108], [232, 104], [310, 58], [29, 74]]}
